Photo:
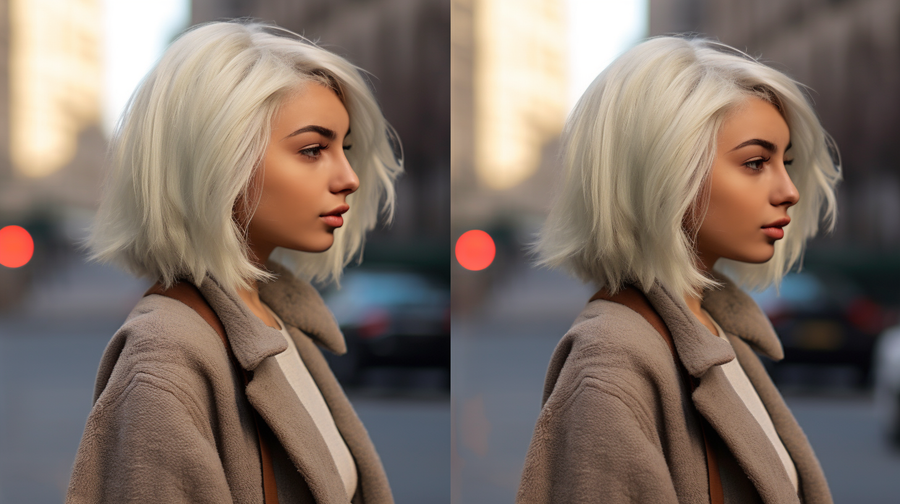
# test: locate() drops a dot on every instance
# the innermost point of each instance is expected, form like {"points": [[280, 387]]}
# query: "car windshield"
{"points": [[361, 290]]}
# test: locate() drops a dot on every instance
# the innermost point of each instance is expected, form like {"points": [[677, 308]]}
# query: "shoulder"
{"points": [[609, 334], [165, 329], [163, 340], [609, 347]]}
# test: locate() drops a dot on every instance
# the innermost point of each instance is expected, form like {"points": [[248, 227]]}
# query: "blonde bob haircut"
{"points": [[637, 153], [190, 144]]}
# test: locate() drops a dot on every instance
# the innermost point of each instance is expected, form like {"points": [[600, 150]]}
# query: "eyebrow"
{"points": [[765, 144], [325, 132]]}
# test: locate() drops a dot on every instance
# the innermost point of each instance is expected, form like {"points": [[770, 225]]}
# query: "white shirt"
{"points": [[741, 384], [308, 392]]}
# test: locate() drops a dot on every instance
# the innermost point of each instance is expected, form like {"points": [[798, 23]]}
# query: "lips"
{"points": [[775, 230], [776, 233], [333, 218]]}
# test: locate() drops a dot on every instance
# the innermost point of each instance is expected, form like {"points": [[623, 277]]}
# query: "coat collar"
{"points": [[739, 315], [299, 304], [731, 308], [697, 348], [295, 301]]}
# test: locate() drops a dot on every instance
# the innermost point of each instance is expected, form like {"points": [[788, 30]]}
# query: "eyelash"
{"points": [[315, 150], [757, 162], [763, 161]]}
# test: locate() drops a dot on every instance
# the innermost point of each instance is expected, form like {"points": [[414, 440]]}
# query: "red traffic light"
{"points": [[16, 246], [475, 250]]}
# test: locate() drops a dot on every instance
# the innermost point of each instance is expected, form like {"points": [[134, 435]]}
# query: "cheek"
{"points": [[291, 200], [284, 187], [729, 207], [736, 199], [731, 227]]}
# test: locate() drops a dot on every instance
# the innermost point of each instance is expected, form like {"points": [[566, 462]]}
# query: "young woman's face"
{"points": [[306, 176], [750, 190]]}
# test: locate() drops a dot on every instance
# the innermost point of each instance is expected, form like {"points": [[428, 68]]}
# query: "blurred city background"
{"points": [[67, 67], [516, 69]]}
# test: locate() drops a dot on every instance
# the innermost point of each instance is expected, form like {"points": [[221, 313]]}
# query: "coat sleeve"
{"points": [[594, 445], [145, 444]]}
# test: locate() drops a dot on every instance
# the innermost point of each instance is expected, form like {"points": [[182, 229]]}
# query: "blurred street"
{"points": [[500, 353], [49, 351]]}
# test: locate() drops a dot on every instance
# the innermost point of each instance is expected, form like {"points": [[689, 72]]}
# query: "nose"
{"points": [[344, 180], [784, 192]]}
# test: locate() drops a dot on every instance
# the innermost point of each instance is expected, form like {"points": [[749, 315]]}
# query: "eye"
{"points": [[788, 162], [348, 147], [756, 164], [312, 151]]}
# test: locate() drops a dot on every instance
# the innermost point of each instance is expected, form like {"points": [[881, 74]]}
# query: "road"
{"points": [[500, 356], [49, 352]]}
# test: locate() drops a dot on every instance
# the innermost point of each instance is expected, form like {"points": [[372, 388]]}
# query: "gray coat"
{"points": [[616, 427], [172, 421]]}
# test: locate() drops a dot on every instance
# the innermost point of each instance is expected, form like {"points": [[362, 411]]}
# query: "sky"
{"points": [[136, 34], [599, 31]]}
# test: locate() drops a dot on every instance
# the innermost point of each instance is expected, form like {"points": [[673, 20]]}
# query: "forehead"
{"points": [[755, 118], [311, 104]]}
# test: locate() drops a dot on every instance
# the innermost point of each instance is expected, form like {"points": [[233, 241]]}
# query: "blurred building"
{"points": [[847, 52], [51, 71], [405, 46], [51, 146], [509, 85]]}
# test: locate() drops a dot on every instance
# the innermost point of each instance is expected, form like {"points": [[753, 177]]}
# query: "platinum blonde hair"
{"points": [[193, 136], [637, 152]]}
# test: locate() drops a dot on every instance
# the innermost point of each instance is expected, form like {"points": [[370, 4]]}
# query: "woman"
{"points": [[683, 157], [242, 140]]}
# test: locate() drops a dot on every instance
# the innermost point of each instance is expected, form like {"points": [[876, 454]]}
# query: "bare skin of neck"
{"points": [[251, 295], [693, 303]]}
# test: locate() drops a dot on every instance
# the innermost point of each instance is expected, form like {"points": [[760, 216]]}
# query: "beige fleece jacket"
{"points": [[172, 421], [617, 425]]}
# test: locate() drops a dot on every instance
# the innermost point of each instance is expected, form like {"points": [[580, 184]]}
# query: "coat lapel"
{"points": [[701, 352], [720, 405], [270, 394], [813, 486], [309, 321], [373, 483], [276, 402]]}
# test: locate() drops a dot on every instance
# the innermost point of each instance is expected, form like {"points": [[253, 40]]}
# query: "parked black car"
{"points": [[390, 317], [825, 320]]}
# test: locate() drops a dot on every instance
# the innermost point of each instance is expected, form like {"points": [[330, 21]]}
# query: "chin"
{"points": [[760, 257], [322, 248], [314, 247]]}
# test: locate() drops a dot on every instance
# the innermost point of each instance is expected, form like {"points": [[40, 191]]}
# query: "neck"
{"points": [[694, 304], [693, 301], [250, 295]]}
